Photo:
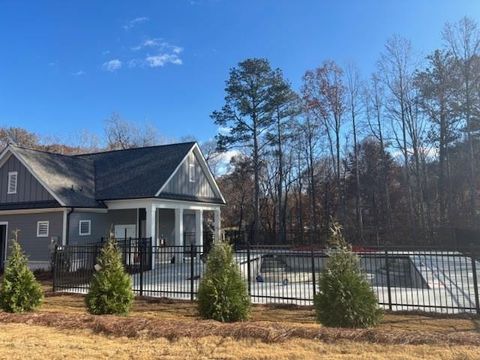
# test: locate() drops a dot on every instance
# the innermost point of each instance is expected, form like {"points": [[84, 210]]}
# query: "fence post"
{"points": [[475, 281], [141, 252], [192, 273], [313, 275], [249, 275], [54, 268], [389, 289]]}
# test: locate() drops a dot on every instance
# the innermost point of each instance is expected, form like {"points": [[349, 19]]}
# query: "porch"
{"points": [[168, 223]]}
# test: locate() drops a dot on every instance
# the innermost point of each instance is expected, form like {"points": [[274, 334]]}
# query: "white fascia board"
{"points": [[159, 204], [203, 165], [5, 155], [30, 211], [127, 204], [208, 172], [24, 163], [175, 171]]}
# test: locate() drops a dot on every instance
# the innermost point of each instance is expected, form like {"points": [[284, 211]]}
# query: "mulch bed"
{"points": [[269, 332]]}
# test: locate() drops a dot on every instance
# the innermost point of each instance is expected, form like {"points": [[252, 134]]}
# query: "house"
{"points": [[160, 192]]}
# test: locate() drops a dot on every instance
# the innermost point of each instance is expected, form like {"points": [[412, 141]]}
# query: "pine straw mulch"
{"points": [[268, 332]]}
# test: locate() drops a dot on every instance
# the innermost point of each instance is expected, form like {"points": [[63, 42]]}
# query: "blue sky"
{"points": [[67, 65]]}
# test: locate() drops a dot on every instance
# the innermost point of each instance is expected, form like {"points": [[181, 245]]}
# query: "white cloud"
{"points": [[160, 44], [112, 65], [134, 22], [160, 60], [79, 73]]}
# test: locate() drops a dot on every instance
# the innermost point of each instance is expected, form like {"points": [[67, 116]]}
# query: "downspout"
{"points": [[67, 230]]}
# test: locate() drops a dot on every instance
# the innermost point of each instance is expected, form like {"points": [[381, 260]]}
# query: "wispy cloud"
{"points": [[112, 65], [134, 22], [79, 73], [160, 53], [159, 44], [160, 60]]}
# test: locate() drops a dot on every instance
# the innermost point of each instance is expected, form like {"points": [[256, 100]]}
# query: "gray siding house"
{"points": [[160, 192]]}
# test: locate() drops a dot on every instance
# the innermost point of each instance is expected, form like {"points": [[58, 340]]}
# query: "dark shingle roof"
{"points": [[88, 179], [135, 173], [71, 180]]}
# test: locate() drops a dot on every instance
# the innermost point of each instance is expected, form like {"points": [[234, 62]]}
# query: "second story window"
{"points": [[191, 172], [12, 182]]}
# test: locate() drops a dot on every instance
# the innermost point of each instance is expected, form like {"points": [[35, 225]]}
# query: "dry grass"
{"points": [[169, 329], [173, 320], [20, 341]]}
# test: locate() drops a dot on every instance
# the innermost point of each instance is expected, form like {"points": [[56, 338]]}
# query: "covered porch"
{"points": [[170, 223]]}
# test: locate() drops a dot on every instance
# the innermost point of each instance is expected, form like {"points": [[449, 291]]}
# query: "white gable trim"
{"points": [[174, 172], [208, 172], [203, 165], [10, 149]]}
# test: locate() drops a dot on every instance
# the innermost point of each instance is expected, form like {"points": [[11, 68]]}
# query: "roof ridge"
{"points": [[40, 151], [134, 148]]}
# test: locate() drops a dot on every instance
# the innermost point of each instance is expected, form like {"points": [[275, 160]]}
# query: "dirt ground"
{"points": [[167, 329]]}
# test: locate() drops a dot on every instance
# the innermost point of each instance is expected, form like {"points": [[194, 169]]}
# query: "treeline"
{"points": [[119, 133], [393, 156]]}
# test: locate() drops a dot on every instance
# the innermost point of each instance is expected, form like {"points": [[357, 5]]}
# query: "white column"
{"points": [[179, 227], [150, 228], [217, 224], [199, 227], [150, 223]]}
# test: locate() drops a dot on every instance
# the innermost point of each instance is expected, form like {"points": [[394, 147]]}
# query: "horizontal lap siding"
{"points": [[28, 188], [100, 224], [36, 248]]}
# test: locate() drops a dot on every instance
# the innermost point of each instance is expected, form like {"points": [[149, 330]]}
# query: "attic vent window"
{"points": [[191, 172], [12, 182], [84, 227], [42, 228]]}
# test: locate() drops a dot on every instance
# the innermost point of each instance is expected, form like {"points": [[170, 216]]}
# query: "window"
{"points": [[42, 228], [84, 227], [12, 182], [191, 172]]}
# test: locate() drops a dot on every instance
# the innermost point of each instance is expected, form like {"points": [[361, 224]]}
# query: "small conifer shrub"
{"points": [[19, 291], [111, 287], [222, 293], [345, 297]]}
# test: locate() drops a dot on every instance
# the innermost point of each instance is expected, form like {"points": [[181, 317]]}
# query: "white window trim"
{"points": [[89, 222], [38, 228], [10, 174], [191, 172]]}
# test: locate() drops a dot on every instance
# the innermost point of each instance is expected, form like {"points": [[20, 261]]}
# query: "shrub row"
{"points": [[345, 298]]}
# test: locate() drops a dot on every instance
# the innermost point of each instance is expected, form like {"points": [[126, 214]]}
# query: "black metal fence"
{"points": [[420, 278]]}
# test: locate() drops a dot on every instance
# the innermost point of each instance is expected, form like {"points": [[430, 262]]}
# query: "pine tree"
{"points": [[345, 298], [222, 294], [20, 291], [111, 287]]}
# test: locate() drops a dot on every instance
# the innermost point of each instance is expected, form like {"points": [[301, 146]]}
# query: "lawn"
{"points": [[172, 330]]}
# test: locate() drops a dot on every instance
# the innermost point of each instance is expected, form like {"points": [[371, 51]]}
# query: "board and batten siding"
{"points": [[36, 248], [180, 183], [29, 189]]}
